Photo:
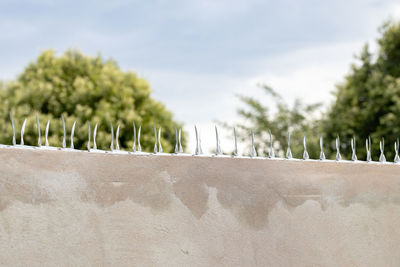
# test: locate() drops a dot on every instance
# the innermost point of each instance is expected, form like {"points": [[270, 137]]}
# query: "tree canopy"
{"points": [[280, 119], [367, 103], [83, 89], [368, 100]]}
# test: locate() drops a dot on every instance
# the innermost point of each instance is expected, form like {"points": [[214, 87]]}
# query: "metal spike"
{"points": [[368, 146], [235, 151], [353, 149], [176, 150], [112, 137], [305, 153], [396, 150], [38, 129], [288, 151], [160, 150], [382, 157], [321, 146], [116, 139], [338, 156], [198, 148], [180, 142], [218, 150], [88, 143], [94, 137], [271, 153], [22, 132], [46, 133], [253, 152], [64, 142], [155, 139], [134, 138], [139, 146], [72, 135], [14, 141]]}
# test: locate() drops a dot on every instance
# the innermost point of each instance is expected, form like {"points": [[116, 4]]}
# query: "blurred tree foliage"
{"points": [[367, 104], [83, 89], [368, 101], [280, 119]]}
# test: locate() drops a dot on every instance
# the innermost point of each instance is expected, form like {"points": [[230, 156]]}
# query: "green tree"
{"points": [[259, 118], [368, 100], [83, 89]]}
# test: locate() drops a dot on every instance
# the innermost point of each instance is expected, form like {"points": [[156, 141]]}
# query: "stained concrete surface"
{"points": [[62, 208]]}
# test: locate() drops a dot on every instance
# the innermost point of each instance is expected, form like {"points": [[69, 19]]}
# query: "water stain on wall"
{"points": [[248, 188]]}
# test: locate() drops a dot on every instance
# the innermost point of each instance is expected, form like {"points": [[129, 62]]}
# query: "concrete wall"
{"points": [[86, 209]]}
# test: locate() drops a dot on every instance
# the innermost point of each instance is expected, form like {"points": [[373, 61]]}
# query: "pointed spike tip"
{"points": [[305, 153], [155, 139], [271, 152], [134, 137], [47, 134], [72, 135], [235, 151], [321, 146], [289, 151], [94, 137], [160, 149], [338, 156], [117, 139]]}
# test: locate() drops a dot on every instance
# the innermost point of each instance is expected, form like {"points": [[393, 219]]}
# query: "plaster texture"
{"points": [[62, 208]]}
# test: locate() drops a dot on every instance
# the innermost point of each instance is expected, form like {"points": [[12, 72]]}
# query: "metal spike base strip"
{"points": [[137, 149]]}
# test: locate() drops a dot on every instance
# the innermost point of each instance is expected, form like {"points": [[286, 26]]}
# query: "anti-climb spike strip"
{"points": [[305, 153], [353, 149], [94, 137], [116, 139], [72, 135], [160, 149], [155, 139], [271, 153], [134, 138], [22, 132], [64, 142], [382, 157], [88, 143], [368, 146], [46, 134], [112, 137], [178, 145], [139, 146], [253, 152], [180, 142], [338, 156], [38, 129], [14, 141], [235, 151], [288, 151], [218, 150], [321, 146], [396, 150]]}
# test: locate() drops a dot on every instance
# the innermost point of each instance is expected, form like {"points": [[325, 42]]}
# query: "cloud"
{"points": [[309, 74]]}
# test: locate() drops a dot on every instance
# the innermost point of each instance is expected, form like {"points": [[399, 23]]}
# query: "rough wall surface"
{"points": [[88, 209]]}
